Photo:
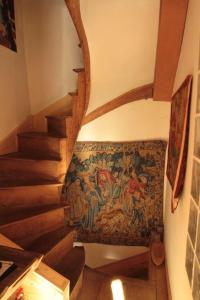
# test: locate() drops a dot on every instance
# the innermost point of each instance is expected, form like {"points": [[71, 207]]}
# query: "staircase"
{"points": [[97, 282], [33, 215]]}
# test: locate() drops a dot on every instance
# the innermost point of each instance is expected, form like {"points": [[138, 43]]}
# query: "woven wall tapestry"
{"points": [[178, 139], [7, 24], [115, 191]]}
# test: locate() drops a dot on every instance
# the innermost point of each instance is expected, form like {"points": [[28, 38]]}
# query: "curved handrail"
{"points": [[139, 93], [74, 10]]}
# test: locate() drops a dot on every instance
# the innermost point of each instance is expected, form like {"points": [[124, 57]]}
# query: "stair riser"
{"points": [[14, 199], [31, 169], [23, 232], [57, 127], [49, 147], [60, 250]]}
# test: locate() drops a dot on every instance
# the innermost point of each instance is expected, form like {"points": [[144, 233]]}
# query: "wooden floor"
{"points": [[97, 286]]}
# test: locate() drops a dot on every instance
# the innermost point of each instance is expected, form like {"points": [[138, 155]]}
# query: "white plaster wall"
{"points": [[136, 121], [14, 97], [176, 224], [122, 37], [51, 48]]}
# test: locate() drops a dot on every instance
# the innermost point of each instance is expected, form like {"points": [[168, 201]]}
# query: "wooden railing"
{"points": [[74, 10], [81, 97]]}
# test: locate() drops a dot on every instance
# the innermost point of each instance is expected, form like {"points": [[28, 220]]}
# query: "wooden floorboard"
{"points": [[97, 286]]}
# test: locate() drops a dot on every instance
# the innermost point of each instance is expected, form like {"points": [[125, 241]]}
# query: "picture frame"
{"points": [[178, 139]]}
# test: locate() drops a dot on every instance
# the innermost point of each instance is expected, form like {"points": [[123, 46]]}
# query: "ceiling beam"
{"points": [[170, 35]]}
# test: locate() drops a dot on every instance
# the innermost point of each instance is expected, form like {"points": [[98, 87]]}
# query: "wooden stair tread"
{"points": [[10, 217], [45, 242], [97, 285], [28, 156], [134, 266], [7, 183], [75, 93], [92, 282], [38, 134], [79, 70], [60, 116], [72, 265]]}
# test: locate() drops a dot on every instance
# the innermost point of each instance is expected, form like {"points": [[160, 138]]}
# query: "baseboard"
{"points": [[9, 143], [60, 106]]}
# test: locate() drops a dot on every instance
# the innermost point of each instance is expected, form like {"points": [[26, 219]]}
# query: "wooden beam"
{"points": [[142, 92], [170, 35]]}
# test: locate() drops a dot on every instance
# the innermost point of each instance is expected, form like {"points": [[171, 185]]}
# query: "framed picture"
{"points": [[7, 24], [189, 260], [195, 185], [192, 227], [197, 138], [198, 95], [178, 139]]}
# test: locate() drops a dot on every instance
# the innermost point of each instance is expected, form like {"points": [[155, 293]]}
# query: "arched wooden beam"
{"points": [[170, 35], [142, 92], [74, 10]]}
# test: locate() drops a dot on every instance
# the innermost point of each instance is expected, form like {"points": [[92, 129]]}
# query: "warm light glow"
{"points": [[117, 290], [41, 288]]}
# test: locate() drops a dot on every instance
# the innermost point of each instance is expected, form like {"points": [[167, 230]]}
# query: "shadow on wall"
{"points": [[115, 191]]}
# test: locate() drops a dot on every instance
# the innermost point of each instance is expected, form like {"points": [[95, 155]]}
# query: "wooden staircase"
{"points": [[33, 215], [97, 282]]}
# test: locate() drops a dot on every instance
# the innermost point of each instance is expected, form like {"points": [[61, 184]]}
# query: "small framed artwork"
{"points": [[195, 184], [192, 222], [7, 24], [197, 138], [199, 57], [198, 95], [196, 283], [198, 243], [189, 260]]}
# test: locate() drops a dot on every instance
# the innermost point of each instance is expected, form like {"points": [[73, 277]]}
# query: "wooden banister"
{"points": [[139, 93], [74, 10]]}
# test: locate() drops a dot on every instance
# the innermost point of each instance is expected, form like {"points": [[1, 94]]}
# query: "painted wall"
{"points": [[14, 96], [136, 121], [122, 37], [176, 224], [51, 48]]}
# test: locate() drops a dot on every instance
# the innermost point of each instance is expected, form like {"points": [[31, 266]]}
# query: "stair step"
{"points": [[25, 166], [27, 225], [135, 266], [26, 195], [79, 70], [71, 266], [20, 184], [75, 93], [54, 244], [27, 156], [92, 282], [58, 124], [131, 289], [45, 144]]}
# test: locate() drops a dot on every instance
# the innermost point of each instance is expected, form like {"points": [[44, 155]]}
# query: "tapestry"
{"points": [[178, 139], [7, 24], [115, 191]]}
